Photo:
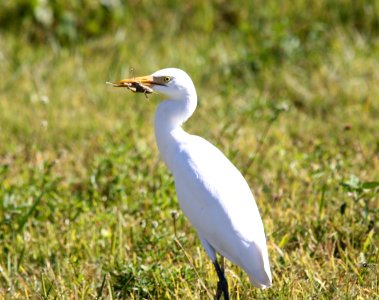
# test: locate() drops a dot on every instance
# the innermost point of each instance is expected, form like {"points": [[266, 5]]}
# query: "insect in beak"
{"points": [[136, 85]]}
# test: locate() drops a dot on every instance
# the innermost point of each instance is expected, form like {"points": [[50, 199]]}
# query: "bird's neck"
{"points": [[169, 117]]}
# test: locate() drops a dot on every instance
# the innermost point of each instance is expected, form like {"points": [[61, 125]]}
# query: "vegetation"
{"points": [[289, 92]]}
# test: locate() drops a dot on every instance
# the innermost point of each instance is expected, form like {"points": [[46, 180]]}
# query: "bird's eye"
{"points": [[167, 79]]}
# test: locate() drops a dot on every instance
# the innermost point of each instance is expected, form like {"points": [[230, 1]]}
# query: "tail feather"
{"points": [[262, 281]]}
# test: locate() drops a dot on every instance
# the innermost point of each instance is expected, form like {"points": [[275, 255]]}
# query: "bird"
{"points": [[211, 191]]}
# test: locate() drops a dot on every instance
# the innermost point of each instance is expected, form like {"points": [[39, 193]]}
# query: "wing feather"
{"points": [[219, 203]]}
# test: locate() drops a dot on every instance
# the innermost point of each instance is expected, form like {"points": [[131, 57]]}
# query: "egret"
{"points": [[211, 191]]}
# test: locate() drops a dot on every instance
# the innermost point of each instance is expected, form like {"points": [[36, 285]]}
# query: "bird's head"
{"points": [[171, 82]]}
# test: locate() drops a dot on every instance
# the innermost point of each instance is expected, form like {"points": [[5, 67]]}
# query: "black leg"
{"points": [[222, 284], [218, 292]]}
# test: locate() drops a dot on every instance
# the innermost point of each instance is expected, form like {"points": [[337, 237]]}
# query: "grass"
{"points": [[87, 206]]}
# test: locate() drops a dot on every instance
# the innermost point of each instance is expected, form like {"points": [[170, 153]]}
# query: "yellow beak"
{"points": [[145, 80]]}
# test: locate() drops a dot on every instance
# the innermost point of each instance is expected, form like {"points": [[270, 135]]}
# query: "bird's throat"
{"points": [[169, 117]]}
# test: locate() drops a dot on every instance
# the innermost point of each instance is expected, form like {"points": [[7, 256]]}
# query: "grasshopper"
{"points": [[135, 87]]}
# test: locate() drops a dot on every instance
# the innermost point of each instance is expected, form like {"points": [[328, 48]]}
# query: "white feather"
{"points": [[211, 191]]}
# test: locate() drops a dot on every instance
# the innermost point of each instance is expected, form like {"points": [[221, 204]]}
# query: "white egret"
{"points": [[211, 191]]}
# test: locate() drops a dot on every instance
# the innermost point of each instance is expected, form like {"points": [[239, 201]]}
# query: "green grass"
{"points": [[289, 93]]}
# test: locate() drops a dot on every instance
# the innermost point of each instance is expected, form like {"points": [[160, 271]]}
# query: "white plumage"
{"points": [[211, 191]]}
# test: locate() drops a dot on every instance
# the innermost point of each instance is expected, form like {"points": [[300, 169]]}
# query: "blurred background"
{"points": [[287, 90]]}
